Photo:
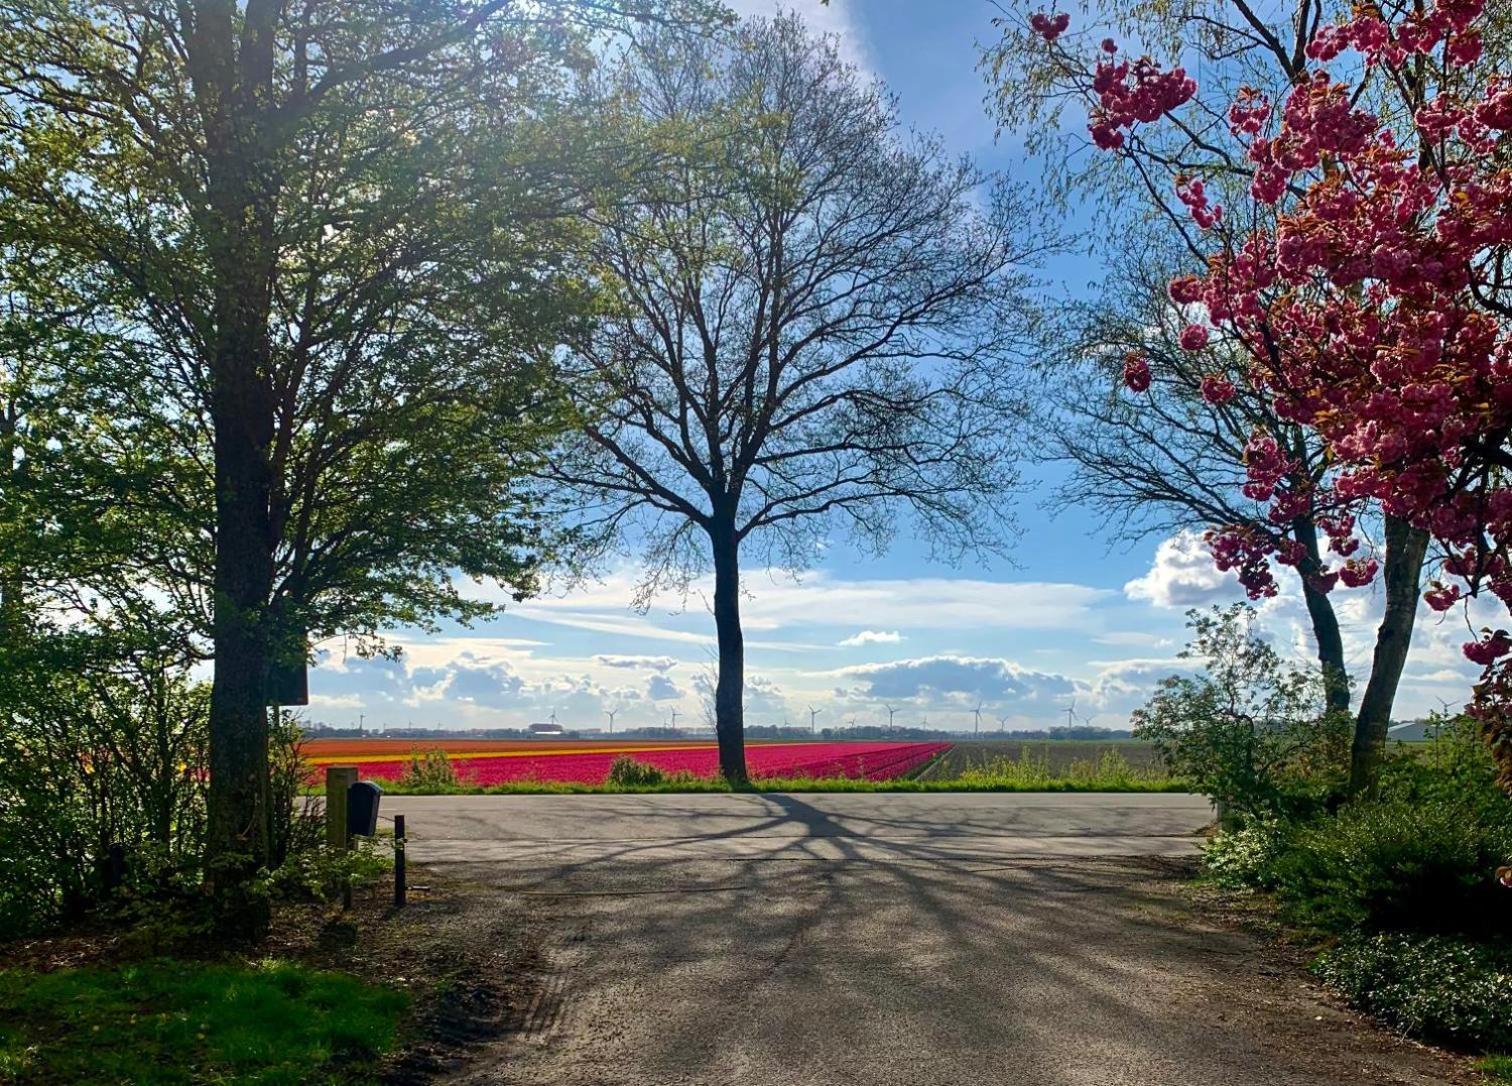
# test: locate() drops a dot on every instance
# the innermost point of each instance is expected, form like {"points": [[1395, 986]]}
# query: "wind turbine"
{"points": [[611, 714], [976, 725], [675, 715], [890, 712], [1071, 713], [1002, 724], [813, 720]]}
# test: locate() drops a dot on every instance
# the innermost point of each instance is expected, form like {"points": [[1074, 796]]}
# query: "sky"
{"points": [[1072, 626]]}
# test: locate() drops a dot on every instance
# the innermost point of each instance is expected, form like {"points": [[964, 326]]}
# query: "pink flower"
{"points": [[1357, 574], [1194, 337], [1488, 649], [1186, 290], [1049, 27], [1216, 389], [1136, 372], [1441, 597]]}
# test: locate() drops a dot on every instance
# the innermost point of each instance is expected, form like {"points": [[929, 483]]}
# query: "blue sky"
{"points": [[1072, 619]]}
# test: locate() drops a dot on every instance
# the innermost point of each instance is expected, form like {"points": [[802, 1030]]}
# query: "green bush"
{"points": [[1249, 732], [626, 772], [101, 744], [1244, 858], [1398, 864], [1434, 987], [430, 771]]}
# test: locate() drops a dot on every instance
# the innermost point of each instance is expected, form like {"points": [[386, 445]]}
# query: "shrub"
{"points": [[313, 874], [298, 818], [1244, 858], [1435, 987], [1397, 864], [101, 744], [626, 772], [1249, 732], [430, 771]]}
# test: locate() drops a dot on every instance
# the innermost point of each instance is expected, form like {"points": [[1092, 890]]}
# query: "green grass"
{"points": [[166, 1022], [1058, 755], [1495, 1068]]}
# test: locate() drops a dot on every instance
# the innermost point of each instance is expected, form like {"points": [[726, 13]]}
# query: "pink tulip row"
{"points": [[871, 761]]}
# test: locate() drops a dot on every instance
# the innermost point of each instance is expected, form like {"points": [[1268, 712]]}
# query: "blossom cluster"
{"points": [[1132, 91]]}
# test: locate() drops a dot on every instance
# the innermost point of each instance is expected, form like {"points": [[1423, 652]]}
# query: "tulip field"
{"points": [[485, 763]]}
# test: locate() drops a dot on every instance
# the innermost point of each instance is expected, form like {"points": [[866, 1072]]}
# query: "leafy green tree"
{"points": [[1250, 732], [323, 244]]}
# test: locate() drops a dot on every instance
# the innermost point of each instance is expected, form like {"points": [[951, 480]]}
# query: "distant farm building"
{"points": [[547, 729]]}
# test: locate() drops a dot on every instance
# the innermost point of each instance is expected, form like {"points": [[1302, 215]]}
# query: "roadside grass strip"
{"points": [[183, 1023]]}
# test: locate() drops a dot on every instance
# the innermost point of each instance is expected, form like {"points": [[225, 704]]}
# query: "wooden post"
{"points": [[400, 887], [339, 778]]}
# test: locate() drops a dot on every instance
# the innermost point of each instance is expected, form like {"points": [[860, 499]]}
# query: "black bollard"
{"points": [[399, 880]]}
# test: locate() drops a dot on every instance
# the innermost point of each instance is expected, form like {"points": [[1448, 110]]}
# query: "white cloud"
{"points": [[637, 663], [954, 679], [1183, 575], [661, 688], [872, 637]]}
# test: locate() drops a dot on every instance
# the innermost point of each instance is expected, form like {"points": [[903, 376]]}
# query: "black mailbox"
{"points": [[362, 809]]}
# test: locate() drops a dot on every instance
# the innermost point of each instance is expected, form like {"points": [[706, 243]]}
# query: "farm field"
{"points": [[486, 763], [1058, 754]]}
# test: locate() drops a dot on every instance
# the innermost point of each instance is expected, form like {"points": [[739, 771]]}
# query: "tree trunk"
{"points": [[242, 188], [1325, 623], [1406, 548], [729, 693]]}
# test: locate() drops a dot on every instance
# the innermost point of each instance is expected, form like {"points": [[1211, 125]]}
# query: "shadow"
{"points": [[853, 945]]}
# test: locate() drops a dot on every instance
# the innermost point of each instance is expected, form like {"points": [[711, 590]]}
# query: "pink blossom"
{"points": [[1194, 337]]}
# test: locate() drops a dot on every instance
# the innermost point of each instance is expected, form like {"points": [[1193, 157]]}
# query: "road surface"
{"points": [[884, 940], [833, 826]]}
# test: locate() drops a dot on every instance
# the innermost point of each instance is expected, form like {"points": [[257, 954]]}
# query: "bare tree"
{"points": [[811, 322]]}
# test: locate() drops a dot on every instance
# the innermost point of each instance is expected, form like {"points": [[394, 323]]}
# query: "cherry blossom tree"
{"points": [[1186, 456], [1371, 307]]}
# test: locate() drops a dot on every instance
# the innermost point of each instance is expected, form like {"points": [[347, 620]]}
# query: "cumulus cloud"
{"points": [[1182, 575], [490, 683], [872, 637], [954, 678], [661, 664], [661, 688]]}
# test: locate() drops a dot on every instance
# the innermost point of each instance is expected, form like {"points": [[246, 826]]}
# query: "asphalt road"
{"points": [[904, 940], [859, 826]]}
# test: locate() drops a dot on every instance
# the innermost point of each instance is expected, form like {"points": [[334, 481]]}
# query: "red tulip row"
{"points": [[872, 761]]}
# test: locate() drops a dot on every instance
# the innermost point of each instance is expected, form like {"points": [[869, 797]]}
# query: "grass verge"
{"points": [[166, 1022], [783, 784]]}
